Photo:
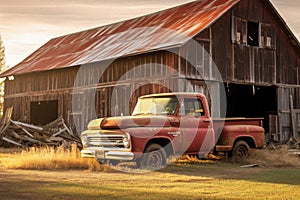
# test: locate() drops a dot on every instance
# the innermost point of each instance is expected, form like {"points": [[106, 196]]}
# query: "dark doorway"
{"points": [[251, 101], [43, 112]]}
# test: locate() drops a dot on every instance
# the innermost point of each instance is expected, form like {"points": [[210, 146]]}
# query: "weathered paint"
{"points": [[156, 31]]}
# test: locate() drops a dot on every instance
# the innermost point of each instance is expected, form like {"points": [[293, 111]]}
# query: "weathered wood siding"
{"points": [[97, 89], [41, 86], [275, 60], [284, 93]]}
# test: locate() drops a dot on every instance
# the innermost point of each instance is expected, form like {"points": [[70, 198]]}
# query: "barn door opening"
{"points": [[43, 112], [251, 101]]}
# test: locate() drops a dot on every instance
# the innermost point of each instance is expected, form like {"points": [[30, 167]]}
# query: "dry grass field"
{"points": [[49, 173]]}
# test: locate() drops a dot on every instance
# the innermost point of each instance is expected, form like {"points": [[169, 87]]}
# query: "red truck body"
{"points": [[230, 130], [169, 124]]}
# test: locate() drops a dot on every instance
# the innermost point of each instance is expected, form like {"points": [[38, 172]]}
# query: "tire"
{"points": [[197, 157], [240, 149], [111, 162], [114, 162], [101, 161], [201, 156], [154, 158]]}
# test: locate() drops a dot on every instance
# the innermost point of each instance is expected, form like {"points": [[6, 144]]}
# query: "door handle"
{"points": [[207, 120]]}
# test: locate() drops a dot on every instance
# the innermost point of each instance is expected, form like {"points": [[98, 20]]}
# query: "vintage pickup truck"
{"points": [[169, 124]]}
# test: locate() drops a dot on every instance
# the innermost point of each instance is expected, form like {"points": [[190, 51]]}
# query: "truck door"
{"points": [[196, 127]]}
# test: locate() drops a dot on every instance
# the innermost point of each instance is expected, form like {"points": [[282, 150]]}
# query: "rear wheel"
{"points": [[240, 149], [154, 158]]}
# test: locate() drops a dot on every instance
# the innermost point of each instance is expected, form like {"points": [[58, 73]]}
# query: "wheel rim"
{"points": [[154, 159], [241, 151]]}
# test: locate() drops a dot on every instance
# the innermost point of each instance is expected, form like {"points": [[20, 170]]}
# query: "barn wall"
{"points": [[97, 89], [39, 87], [274, 61], [52, 80], [21, 104], [288, 99]]}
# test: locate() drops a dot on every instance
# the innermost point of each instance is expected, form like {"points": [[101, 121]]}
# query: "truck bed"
{"points": [[239, 120], [223, 143], [219, 123]]}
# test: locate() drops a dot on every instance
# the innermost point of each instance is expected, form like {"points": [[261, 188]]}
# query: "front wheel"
{"points": [[240, 149], [111, 162], [197, 157], [154, 158]]}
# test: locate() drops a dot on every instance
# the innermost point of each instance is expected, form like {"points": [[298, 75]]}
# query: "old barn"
{"points": [[100, 72]]}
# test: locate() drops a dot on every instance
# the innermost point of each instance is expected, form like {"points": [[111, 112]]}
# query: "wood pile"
{"points": [[21, 134]]}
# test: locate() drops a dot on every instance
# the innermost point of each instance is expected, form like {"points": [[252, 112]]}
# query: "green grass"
{"points": [[62, 174], [280, 176], [153, 185]]}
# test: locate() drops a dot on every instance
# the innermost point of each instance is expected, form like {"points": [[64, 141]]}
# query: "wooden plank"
{"points": [[13, 133], [55, 139], [293, 117], [251, 165], [34, 141], [59, 132], [285, 111], [11, 141], [26, 138], [2, 132], [294, 151], [5, 120], [68, 130], [22, 128], [28, 126], [7, 116]]}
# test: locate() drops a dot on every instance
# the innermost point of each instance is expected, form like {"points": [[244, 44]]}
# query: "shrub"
{"points": [[50, 158]]}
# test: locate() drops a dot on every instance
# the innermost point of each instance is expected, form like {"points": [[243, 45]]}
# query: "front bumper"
{"points": [[107, 155]]}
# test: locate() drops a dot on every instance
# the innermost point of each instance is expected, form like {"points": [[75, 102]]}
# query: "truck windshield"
{"points": [[156, 106]]}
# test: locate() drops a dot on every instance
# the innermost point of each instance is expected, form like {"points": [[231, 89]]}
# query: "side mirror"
{"points": [[197, 114]]}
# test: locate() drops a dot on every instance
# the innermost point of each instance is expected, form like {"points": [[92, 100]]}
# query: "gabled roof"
{"points": [[161, 30], [164, 29]]}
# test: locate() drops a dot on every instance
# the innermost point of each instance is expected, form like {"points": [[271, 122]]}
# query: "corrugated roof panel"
{"points": [[155, 31]]}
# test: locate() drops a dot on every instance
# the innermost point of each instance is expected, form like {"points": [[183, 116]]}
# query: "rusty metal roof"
{"points": [[160, 30]]}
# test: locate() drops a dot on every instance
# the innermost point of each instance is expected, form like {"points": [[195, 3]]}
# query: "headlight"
{"points": [[84, 140], [126, 142]]}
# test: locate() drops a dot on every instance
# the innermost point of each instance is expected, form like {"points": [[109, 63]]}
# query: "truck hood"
{"points": [[138, 121]]}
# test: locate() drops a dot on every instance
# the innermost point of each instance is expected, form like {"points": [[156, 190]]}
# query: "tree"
{"points": [[2, 69]]}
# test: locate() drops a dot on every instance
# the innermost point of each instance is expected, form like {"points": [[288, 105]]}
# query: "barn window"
{"points": [[253, 34], [239, 31], [256, 34], [267, 36]]}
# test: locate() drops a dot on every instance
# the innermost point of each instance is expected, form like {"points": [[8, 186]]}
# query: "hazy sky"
{"points": [[25, 25]]}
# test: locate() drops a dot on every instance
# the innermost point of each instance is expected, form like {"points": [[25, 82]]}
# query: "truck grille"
{"points": [[106, 141]]}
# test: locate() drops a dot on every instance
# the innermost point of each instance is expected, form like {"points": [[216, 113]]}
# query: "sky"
{"points": [[25, 25]]}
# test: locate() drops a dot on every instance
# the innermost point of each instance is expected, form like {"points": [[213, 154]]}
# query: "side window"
{"points": [[190, 106]]}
